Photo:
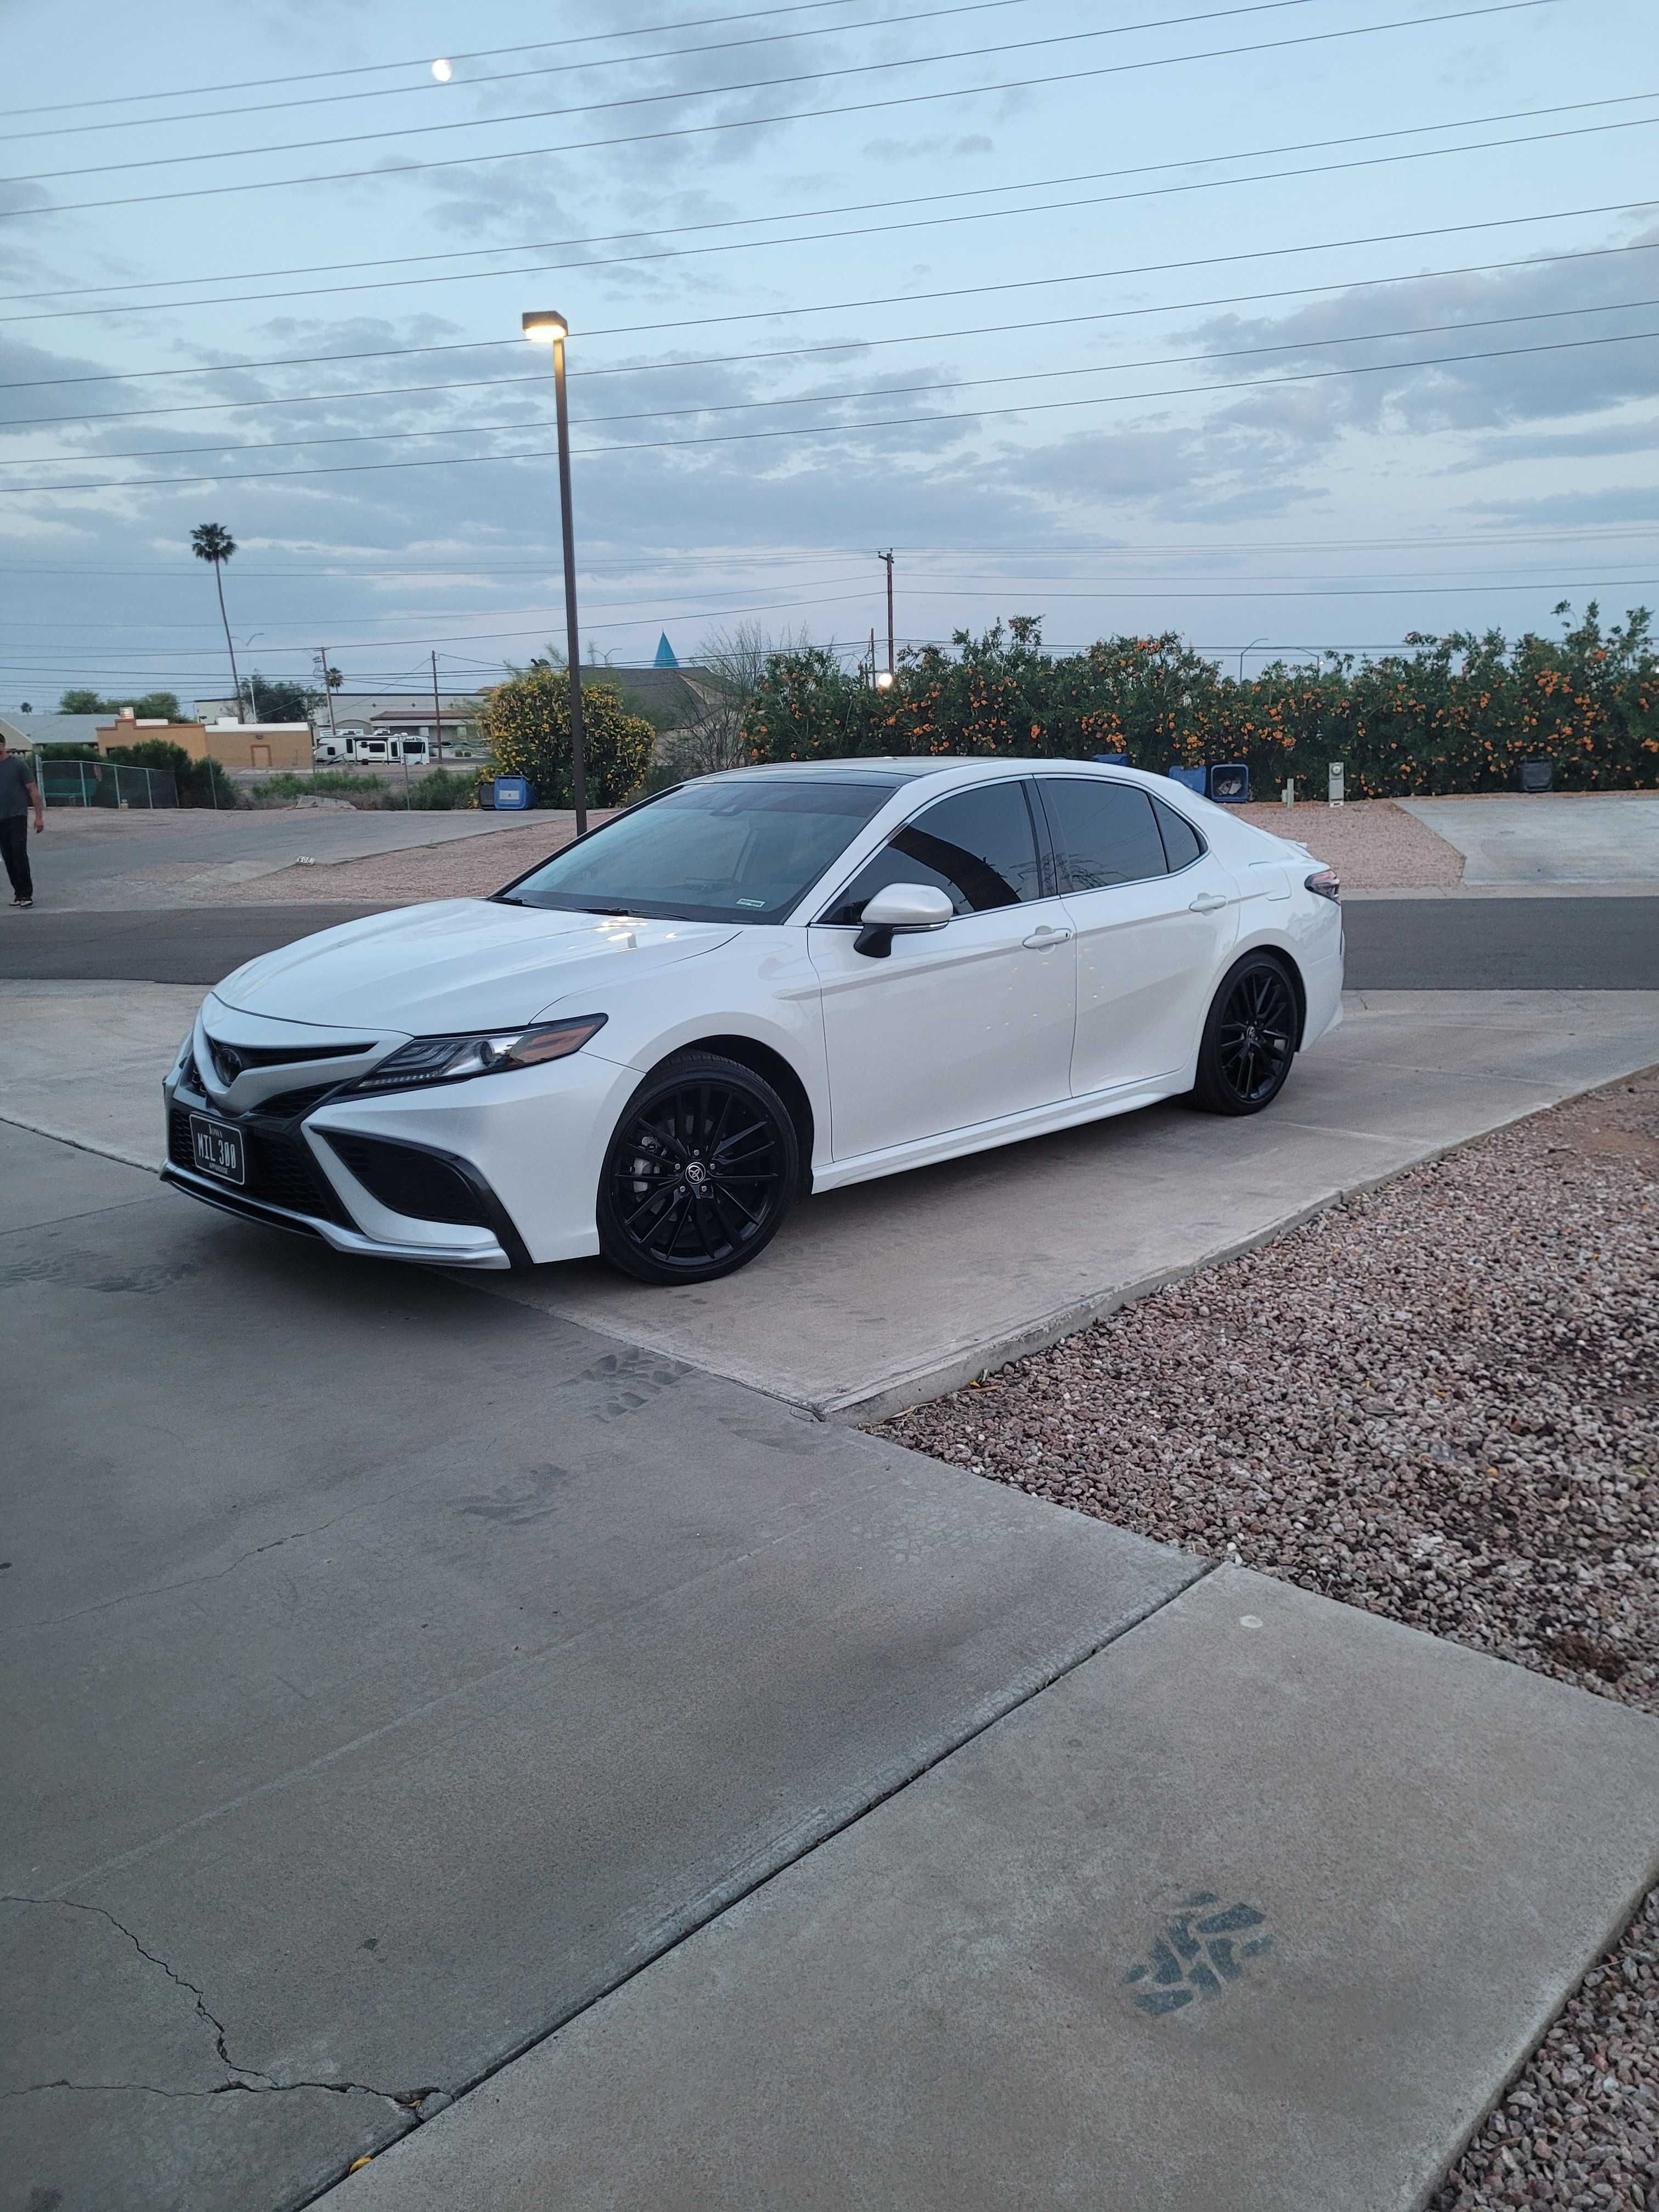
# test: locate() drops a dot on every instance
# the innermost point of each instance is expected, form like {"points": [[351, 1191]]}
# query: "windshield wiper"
{"points": [[606, 910]]}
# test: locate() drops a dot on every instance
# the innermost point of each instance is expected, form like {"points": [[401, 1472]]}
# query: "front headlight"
{"points": [[495, 1052]]}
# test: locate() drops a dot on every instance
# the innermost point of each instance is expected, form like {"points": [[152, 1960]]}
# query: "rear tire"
{"points": [[700, 1173], [1249, 1038]]}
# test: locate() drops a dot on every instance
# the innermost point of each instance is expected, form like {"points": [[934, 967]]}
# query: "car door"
{"points": [[1155, 915], [958, 1026]]}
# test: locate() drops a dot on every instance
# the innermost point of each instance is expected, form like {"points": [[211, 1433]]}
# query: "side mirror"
{"points": [[908, 907]]}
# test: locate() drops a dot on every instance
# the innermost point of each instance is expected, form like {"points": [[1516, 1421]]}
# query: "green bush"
{"points": [[200, 782], [1454, 713], [527, 721], [442, 791]]}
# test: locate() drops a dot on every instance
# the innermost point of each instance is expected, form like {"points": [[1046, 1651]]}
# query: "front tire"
{"points": [[700, 1173], [1249, 1038]]}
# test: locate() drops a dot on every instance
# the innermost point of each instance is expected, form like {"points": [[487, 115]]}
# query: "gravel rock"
{"points": [[1440, 1401], [1372, 844]]}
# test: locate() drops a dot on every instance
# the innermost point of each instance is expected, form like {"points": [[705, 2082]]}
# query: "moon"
{"points": [[443, 72]]}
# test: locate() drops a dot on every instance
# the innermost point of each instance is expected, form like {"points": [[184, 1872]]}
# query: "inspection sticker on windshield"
{"points": [[751, 901]]}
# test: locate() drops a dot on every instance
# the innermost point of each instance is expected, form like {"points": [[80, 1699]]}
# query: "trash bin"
{"points": [[513, 793], [1113, 760], [1194, 779], [1231, 785], [1538, 775]]}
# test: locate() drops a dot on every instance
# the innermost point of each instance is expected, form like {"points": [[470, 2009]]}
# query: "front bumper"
{"points": [[500, 1172], [229, 1199]]}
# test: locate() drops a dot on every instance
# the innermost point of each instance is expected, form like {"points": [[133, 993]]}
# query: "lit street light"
{"points": [[547, 328], [884, 679]]}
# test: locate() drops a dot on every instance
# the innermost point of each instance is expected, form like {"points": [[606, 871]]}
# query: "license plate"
{"points": [[218, 1149]]}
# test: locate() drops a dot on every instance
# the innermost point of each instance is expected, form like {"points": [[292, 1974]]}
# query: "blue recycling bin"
{"points": [[1113, 760], [1194, 779], [513, 793], [1230, 785]]}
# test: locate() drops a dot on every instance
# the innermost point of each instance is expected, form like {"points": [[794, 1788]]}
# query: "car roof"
{"points": [[896, 769]]}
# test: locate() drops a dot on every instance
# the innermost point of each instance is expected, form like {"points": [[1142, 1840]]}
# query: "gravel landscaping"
{"points": [[1373, 844], [1440, 1401]]}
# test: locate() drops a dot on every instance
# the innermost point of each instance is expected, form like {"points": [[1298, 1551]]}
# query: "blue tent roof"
{"points": [[664, 654]]}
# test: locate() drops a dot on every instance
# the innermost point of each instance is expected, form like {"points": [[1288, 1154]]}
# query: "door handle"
{"points": [[1206, 903], [1043, 939]]}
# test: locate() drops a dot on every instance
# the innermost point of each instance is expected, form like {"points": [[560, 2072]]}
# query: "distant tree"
{"points": [[26, 708], [150, 707], [278, 702], [526, 723], [211, 541], [730, 671]]}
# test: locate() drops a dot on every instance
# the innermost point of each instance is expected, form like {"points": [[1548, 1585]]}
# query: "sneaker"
{"points": [[29, 901]]}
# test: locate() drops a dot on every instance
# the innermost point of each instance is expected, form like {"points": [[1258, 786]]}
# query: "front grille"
{"points": [[230, 1061], [279, 1169], [410, 1181], [292, 1103]]}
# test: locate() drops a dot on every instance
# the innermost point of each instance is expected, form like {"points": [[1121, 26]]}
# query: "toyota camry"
{"points": [[751, 988]]}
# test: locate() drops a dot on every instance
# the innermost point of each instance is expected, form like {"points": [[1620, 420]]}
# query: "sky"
{"points": [[1289, 327]]}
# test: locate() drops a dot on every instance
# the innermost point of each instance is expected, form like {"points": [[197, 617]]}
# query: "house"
{"points": [[233, 745], [28, 733], [385, 726]]}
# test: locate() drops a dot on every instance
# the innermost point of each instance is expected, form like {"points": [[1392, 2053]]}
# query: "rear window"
{"points": [[739, 851], [1104, 833]]}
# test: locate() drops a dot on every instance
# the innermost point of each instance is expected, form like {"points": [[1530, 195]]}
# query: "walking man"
{"points": [[18, 792]]}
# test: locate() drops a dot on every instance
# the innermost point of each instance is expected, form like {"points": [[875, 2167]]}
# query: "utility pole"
{"points": [[322, 657], [437, 711], [872, 660], [888, 558]]}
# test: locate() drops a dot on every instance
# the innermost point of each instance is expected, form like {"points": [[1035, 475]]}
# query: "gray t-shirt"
{"points": [[16, 774]]}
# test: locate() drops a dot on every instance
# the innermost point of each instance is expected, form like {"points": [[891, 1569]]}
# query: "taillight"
{"points": [[1326, 885]]}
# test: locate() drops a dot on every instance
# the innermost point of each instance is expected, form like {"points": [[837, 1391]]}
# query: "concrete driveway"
{"points": [[876, 1296], [94, 858], [393, 1673], [1553, 837]]}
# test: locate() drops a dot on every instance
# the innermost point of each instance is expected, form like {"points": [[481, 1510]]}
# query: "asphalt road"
{"points": [[1406, 945]]}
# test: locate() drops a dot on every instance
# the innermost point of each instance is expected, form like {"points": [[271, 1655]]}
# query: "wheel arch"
{"points": [[1287, 960], [770, 1065]]}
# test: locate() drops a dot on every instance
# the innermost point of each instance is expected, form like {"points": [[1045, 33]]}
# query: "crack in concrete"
{"points": [[193, 1582], [260, 2085]]}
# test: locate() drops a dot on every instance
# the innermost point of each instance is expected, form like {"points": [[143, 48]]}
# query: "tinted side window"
{"points": [[1106, 833], [1181, 843], [978, 846]]}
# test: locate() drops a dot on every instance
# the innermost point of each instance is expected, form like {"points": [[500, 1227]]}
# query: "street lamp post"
{"points": [[547, 328], [1250, 647]]}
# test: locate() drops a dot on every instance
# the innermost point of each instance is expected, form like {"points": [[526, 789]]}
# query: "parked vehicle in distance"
{"points": [[383, 745], [761, 984]]}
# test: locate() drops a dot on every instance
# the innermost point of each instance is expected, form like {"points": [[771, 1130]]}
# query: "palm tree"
{"points": [[211, 541]]}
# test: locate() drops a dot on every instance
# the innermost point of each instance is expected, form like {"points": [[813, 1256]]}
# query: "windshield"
{"points": [[711, 852]]}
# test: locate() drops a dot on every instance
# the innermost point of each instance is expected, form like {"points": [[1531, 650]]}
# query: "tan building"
{"points": [[233, 745]]}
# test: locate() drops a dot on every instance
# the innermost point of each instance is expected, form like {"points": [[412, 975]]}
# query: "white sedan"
{"points": [[757, 985]]}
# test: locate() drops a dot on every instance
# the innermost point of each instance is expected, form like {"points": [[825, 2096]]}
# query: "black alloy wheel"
{"points": [[1249, 1039], [700, 1173]]}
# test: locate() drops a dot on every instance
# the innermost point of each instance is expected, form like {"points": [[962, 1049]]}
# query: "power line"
{"points": [[866, 230], [647, 100], [430, 84], [772, 557], [853, 207], [831, 429], [538, 379], [837, 398], [750, 123], [888, 299], [423, 61]]}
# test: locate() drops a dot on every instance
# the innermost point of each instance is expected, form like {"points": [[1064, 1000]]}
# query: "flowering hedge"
{"points": [[526, 724], [1452, 714]]}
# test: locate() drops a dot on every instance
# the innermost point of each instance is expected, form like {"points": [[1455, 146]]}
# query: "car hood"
{"points": [[460, 964]]}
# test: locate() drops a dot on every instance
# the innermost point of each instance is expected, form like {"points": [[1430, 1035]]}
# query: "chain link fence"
{"points": [[103, 783]]}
